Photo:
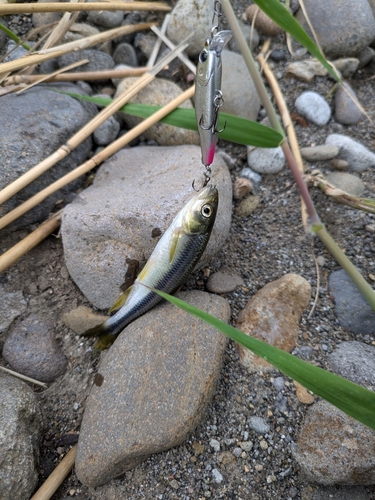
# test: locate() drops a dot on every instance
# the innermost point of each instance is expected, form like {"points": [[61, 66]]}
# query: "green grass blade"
{"points": [[278, 13], [237, 129], [13, 36], [345, 395]]}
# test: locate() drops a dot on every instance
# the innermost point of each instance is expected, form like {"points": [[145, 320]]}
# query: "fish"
{"points": [[208, 95], [168, 267]]}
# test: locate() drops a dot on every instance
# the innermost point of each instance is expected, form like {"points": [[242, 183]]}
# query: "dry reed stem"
{"points": [[12, 255], [170, 45], [96, 160], [57, 477], [155, 50], [287, 122], [30, 8], [43, 78], [84, 43], [23, 377], [82, 134], [62, 27], [73, 77]]}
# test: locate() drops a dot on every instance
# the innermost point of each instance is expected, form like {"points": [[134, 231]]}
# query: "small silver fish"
{"points": [[208, 95], [171, 262]]}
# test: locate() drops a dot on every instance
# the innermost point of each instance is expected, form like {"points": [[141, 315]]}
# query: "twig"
{"points": [[30, 8], [287, 121], [84, 43], [82, 134], [73, 77], [23, 377], [43, 78], [317, 286], [12, 255], [97, 159], [57, 477], [155, 50], [169, 44]]}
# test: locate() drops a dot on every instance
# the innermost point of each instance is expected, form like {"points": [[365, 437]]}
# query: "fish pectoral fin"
{"points": [[121, 300], [174, 244]]}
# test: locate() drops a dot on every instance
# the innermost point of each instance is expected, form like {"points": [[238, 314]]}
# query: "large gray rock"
{"points": [[159, 92], [354, 361], [353, 312], [358, 156], [343, 27], [32, 126], [333, 448], [98, 60], [191, 16], [157, 381], [135, 196], [31, 349], [240, 95], [20, 438]]}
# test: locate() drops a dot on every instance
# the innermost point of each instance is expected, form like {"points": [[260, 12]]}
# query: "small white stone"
{"points": [[217, 477], [313, 107]]}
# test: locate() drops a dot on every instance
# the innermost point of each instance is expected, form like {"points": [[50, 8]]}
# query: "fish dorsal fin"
{"points": [[121, 300], [174, 243]]}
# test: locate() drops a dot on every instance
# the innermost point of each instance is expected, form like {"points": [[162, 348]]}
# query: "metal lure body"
{"points": [[208, 95], [171, 262]]}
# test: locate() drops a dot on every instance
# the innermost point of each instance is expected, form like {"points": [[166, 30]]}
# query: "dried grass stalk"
{"points": [[11, 256], [74, 77], [169, 44], [57, 477], [30, 8], [23, 377], [84, 43]]}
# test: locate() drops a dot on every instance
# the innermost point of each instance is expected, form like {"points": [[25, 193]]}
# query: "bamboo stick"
{"points": [[87, 130], [286, 119], [23, 377], [12, 255], [83, 43], [73, 77], [30, 8], [96, 160], [57, 477], [43, 78]]}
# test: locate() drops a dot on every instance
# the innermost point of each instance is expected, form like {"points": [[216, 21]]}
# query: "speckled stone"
{"points": [[347, 182], [221, 282], [12, 305], [346, 110], [272, 315], [333, 448], [352, 310], [160, 373], [354, 361], [31, 349], [20, 439], [358, 156], [247, 206]]}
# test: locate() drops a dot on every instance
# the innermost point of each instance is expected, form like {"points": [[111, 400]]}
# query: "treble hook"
{"points": [[218, 102]]}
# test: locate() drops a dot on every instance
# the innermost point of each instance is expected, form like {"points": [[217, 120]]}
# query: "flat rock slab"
{"points": [[120, 218], [155, 384], [333, 448]]}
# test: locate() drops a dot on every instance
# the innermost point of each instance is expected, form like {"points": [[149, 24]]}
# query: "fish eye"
{"points": [[206, 211], [203, 56]]}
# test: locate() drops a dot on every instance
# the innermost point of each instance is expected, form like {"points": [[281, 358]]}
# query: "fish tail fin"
{"points": [[105, 341]]}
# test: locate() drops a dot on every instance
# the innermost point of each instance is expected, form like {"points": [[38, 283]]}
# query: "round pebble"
{"points": [[217, 477], [278, 55], [247, 206], [262, 22], [313, 107], [346, 110], [223, 283], [259, 425], [214, 443]]}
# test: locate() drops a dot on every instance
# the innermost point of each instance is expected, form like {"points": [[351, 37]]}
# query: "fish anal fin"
{"points": [[174, 244], [104, 342], [120, 302]]}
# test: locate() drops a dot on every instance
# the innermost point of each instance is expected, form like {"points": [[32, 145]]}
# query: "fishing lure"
{"points": [[208, 95], [171, 262]]}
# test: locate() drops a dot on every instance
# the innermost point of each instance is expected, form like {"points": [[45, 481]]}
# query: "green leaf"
{"points": [[13, 36], [237, 129], [278, 13], [345, 395]]}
